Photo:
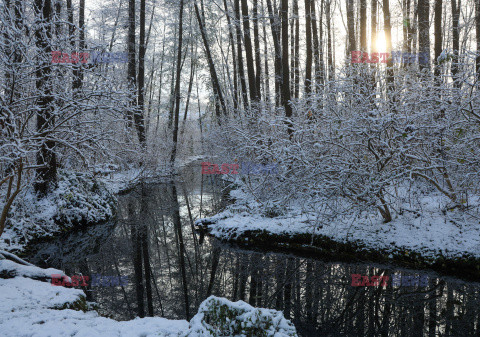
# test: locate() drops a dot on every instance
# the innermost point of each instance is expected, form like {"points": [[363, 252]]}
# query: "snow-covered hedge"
{"points": [[79, 200], [220, 317]]}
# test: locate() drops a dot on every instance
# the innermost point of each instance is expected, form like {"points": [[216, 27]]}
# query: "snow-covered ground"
{"points": [[31, 306], [431, 230]]}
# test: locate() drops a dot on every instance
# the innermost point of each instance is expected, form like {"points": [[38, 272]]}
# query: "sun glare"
{"points": [[381, 43]]}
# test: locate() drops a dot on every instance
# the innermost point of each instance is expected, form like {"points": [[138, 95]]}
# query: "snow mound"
{"points": [[220, 317]]}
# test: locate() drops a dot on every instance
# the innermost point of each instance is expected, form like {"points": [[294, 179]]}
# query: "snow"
{"points": [[238, 319], [30, 308], [429, 232]]}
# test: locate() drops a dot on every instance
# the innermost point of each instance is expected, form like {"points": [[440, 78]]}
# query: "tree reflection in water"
{"points": [[172, 271]]}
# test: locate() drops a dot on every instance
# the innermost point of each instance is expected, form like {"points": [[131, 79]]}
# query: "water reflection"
{"points": [[171, 271]]}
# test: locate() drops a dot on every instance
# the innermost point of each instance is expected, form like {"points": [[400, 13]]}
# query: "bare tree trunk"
{"points": [[477, 33], [438, 36], [388, 39], [139, 115], [131, 71], [241, 70], [456, 40], [249, 52], [46, 156], [363, 25], [258, 60], [423, 30], [308, 38], [316, 47], [274, 24], [295, 40], [350, 25], [234, 57], [177, 84], [217, 91], [331, 69], [266, 55], [285, 69]]}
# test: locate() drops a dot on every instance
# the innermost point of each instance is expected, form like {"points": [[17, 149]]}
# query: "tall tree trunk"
{"points": [[285, 71], [274, 25], [309, 54], [131, 70], [316, 47], [328, 13], [241, 70], [139, 115], [455, 40], [438, 36], [406, 25], [388, 39], [78, 70], [249, 53], [258, 59], [477, 33], [217, 91], [373, 47], [295, 38], [363, 25], [423, 30], [46, 156], [266, 56], [177, 83], [350, 25], [234, 57]]}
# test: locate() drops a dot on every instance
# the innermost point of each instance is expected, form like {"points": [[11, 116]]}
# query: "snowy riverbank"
{"points": [[429, 235], [31, 306]]}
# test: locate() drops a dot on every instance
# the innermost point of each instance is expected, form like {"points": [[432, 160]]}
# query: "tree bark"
{"points": [[285, 69], [423, 30], [258, 59], [455, 41], [477, 31], [309, 54], [140, 112], [363, 25], [438, 36], [234, 57], [177, 83], [249, 53], [331, 70], [316, 47], [241, 70], [219, 101], [274, 24], [46, 156]]}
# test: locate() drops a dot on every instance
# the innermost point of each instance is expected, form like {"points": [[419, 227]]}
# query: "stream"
{"points": [[171, 269]]}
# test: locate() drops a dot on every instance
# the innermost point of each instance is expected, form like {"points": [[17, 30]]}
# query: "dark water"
{"points": [[171, 269]]}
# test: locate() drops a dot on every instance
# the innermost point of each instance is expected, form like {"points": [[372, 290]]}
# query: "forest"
{"points": [[336, 128]]}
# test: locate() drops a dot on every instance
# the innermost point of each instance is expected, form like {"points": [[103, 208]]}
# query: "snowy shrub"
{"points": [[79, 200], [220, 317]]}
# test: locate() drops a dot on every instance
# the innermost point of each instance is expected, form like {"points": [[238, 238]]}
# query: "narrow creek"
{"points": [[171, 269]]}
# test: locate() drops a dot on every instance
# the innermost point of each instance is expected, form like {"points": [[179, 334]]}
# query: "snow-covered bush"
{"points": [[79, 200], [355, 147], [220, 317]]}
